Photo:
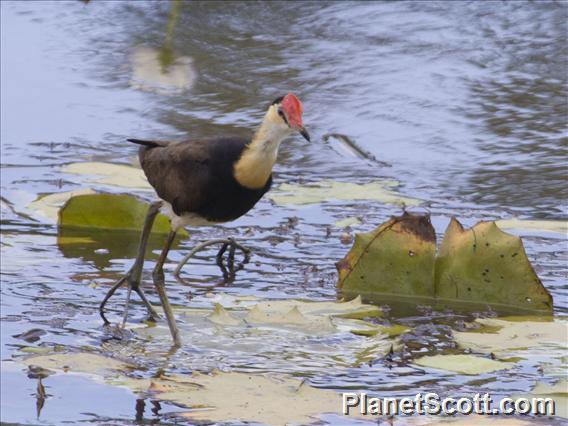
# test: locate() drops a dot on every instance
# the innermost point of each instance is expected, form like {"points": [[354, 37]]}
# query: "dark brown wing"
{"points": [[178, 171]]}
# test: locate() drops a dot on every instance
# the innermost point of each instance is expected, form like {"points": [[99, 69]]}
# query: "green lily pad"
{"points": [[486, 265], [463, 364], [325, 190], [48, 205], [474, 268], [395, 260], [109, 212]]}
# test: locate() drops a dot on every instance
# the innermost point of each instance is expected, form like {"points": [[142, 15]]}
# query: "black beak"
{"points": [[305, 134]]}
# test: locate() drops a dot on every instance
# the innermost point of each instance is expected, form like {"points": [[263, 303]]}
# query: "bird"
{"points": [[206, 181]]}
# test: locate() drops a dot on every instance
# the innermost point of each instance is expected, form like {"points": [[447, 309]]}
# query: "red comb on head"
{"points": [[294, 109]]}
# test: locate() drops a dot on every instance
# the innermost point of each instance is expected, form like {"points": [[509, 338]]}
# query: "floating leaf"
{"points": [[110, 212], [110, 174], [283, 334], [48, 205], [557, 392], [241, 397], [463, 364], [222, 317], [348, 221], [510, 337], [469, 420], [352, 309], [293, 317], [395, 260], [79, 362], [42, 349], [485, 265], [326, 190], [559, 226]]}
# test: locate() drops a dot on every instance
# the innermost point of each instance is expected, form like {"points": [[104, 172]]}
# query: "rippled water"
{"points": [[463, 103]]}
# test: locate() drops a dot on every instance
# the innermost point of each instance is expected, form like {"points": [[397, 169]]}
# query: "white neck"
{"points": [[254, 167]]}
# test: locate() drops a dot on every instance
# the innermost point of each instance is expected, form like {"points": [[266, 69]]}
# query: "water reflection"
{"points": [[101, 247]]}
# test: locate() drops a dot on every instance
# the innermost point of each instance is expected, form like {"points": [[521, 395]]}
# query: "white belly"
{"points": [[188, 219]]}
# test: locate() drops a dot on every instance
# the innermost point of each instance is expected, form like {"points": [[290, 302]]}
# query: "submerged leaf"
{"points": [[395, 260], [348, 221], [222, 317], [110, 174], [464, 364], [287, 335], [79, 362], [248, 398], [485, 265], [326, 190]]}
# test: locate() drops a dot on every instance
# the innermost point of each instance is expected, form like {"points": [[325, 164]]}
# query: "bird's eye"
{"points": [[281, 114]]}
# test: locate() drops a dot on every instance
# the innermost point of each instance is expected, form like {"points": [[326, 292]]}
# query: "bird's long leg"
{"points": [[160, 285], [134, 275]]}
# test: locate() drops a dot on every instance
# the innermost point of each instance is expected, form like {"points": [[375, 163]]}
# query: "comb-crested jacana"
{"points": [[204, 182]]}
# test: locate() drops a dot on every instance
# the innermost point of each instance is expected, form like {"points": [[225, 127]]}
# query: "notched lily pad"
{"points": [[352, 309], [463, 364], [475, 268], [394, 260], [222, 317], [486, 265]]}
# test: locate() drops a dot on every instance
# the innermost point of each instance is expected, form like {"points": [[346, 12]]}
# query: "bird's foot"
{"points": [[232, 245], [229, 269], [133, 285]]}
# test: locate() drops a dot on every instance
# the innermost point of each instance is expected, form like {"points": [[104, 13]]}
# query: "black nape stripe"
{"points": [[277, 100]]}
